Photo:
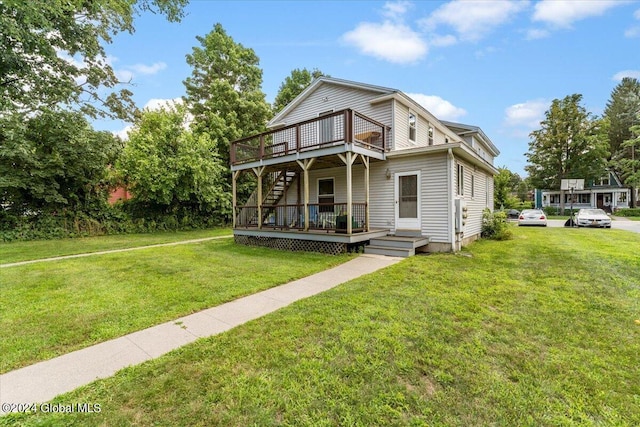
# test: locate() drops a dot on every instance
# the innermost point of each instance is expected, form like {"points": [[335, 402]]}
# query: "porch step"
{"points": [[396, 246], [408, 233], [389, 251], [400, 242]]}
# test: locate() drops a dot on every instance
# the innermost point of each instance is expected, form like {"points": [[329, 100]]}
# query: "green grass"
{"points": [[541, 330], [25, 251], [52, 308]]}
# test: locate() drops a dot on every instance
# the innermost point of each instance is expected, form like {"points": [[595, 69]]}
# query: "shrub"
{"points": [[628, 212], [495, 226]]}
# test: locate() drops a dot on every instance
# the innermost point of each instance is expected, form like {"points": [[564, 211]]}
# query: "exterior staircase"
{"points": [[281, 182], [403, 244]]}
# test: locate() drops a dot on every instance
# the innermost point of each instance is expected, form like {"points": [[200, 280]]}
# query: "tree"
{"points": [[630, 167], [502, 187], [224, 92], [54, 160], [569, 144], [623, 113], [52, 53], [293, 85], [168, 167]]}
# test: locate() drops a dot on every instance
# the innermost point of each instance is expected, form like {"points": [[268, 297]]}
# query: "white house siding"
{"points": [[433, 193], [477, 202], [401, 130]]}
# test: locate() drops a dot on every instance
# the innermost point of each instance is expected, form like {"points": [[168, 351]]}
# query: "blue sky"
{"points": [[494, 64]]}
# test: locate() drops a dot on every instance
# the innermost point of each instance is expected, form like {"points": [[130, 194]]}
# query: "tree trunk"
{"points": [[633, 197], [561, 202]]}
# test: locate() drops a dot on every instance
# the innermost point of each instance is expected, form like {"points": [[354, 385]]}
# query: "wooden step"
{"points": [[408, 233], [400, 242], [389, 251]]}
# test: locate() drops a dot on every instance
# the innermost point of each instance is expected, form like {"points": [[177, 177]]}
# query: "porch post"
{"points": [[365, 163], [306, 165], [259, 172], [234, 200], [349, 193]]}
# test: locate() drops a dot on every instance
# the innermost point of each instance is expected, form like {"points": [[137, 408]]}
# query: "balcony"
{"points": [[334, 133]]}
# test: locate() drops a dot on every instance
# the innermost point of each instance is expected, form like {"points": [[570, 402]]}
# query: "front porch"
{"points": [[281, 161]]}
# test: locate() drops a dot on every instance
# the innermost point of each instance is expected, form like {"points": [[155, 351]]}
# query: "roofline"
{"points": [[276, 120], [474, 129]]}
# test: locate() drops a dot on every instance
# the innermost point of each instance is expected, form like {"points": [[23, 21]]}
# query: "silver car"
{"points": [[593, 218], [532, 217]]}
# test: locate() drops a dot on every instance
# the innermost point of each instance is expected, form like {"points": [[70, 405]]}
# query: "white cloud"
{"points": [[437, 106], [159, 103], [563, 13], [443, 41], [395, 10], [526, 115], [537, 33], [393, 42], [473, 19], [632, 32], [148, 69], [123, 133], [626, 73], [124, 76]]}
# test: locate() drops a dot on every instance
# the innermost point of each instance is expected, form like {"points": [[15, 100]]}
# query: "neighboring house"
{"points": [[606, 193], [348, 163], [119, 193]]}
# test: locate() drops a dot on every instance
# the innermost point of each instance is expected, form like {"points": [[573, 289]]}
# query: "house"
{"points": [[348, 163], [605, 193]]}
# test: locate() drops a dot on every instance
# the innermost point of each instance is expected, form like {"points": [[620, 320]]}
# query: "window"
{"points": [[622, 197], [473, 186], [604, 181], [431, 136], [584, 198], [412, 127], [460, 180], [325, 195], [555, 198]]}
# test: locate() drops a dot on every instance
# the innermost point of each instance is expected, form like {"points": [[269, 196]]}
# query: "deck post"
{"points": [[234, 198], [349, 192], [365, 163], [306, 165], [259, 172]]}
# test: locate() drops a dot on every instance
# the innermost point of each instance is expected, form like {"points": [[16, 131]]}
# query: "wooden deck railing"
{"points": [[329, 217], [345, 126]]}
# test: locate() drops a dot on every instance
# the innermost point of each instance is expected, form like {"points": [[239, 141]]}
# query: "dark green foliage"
{"points": [[628, 212], [569, 144], [495, 226], [54, 161], [52, 53], [293, 85]]}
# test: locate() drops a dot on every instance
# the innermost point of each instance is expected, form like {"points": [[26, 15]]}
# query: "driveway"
{"points": [[620, 224]]}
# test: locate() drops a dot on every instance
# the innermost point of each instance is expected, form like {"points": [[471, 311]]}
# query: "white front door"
{"points": [[407, 198]]}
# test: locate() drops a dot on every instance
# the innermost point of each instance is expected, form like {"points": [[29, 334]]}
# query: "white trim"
{"points": [[404, 223]]}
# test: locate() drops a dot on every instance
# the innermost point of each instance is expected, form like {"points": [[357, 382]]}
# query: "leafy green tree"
{"points": [[169, 167], [569, 144], [630, 166], [623, 113], [502, 187], [52, 53], [293, 85], [224, 92], [54, 160]]}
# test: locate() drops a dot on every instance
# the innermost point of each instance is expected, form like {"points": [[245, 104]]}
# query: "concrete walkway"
{"points": [[43, 381], [113, 251]]}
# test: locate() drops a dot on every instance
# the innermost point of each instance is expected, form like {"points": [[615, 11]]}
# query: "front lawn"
{"points": [[36, 249], [542, 330], [53, 308]]}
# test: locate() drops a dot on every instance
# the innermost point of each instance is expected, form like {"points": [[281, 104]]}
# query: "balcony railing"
{"points": [[332, 129], [329, 217]]}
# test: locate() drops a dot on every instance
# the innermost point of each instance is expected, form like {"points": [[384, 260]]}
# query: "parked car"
{"points": [[513, 214], [593, 218], [532, 217]]}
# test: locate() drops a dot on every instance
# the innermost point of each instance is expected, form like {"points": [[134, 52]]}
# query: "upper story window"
{"points": [[605, 180], [430, 135], [413, 123], [460, 180]]}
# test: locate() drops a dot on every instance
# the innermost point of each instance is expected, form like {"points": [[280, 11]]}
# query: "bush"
{"points": [[495, 226], [628, 212], [550, 210]]}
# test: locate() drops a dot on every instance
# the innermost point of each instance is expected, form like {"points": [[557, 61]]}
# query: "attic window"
{"points": [[430, 135], [604, 181], [412, 127]]}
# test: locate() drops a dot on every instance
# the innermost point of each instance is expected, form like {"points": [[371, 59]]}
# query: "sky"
{"points": [[493, 64]]}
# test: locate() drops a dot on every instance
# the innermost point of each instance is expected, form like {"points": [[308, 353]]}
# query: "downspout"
{"points": [[450, 201]]}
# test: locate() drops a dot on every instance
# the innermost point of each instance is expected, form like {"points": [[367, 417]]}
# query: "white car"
{"points": [[593, 218], [532, 217]]}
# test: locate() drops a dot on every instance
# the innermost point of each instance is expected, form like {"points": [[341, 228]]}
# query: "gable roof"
{"points": [[322, 80], [463, 129]]}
